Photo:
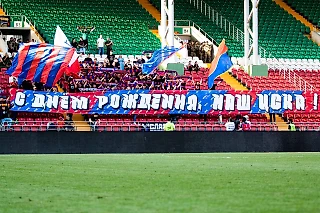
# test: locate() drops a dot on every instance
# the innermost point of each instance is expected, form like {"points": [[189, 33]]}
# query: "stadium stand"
{"points": [[110, 18], [309, 10], [280, 33], [40, 122], [185, 11], [272, 82]]}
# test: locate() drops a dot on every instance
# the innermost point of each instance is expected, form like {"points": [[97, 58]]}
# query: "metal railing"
{"points": [[289, 74], [189, 23], [31, 24], [236, 34], [23, 19], [139, 125], [124, 126]]}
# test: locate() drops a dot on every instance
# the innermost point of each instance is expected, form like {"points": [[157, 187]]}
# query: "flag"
{"points": [[157, 58], [220, 64], [73, 67], [3, 45], [60, 39], [42, 62]]}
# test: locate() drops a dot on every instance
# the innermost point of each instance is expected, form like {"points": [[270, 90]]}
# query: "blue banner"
{"points": [[155, 102]]}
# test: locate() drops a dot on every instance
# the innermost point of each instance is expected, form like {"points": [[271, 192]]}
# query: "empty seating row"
{"points": [[126, 23]]}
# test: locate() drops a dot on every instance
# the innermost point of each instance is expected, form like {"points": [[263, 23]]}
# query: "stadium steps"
{"points": [[282, 125], [156, 33], [79, 123], [295, 14], [2, 13], [233, 82], [37, 33], [151, 9]]}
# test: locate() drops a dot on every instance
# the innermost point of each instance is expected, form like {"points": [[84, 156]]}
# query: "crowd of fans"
{"points": [[116, 74], [6, 60], [13, 44], [82, 44], [93, 78], [204, 51]]}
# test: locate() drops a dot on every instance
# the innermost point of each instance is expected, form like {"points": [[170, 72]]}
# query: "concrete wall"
{"points": [[156, 142]]}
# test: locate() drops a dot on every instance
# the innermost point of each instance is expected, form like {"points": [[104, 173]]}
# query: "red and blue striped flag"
{"points": [[40, 62], [220, 64]]}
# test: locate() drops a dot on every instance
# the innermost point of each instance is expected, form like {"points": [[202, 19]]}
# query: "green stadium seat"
{"points": [[127, 23], [279, 32]]}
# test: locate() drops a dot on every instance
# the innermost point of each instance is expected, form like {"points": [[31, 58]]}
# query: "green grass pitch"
{"points": [[147, 183]]}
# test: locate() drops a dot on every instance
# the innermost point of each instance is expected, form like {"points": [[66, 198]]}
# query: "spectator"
{"points": [[220, 119], [230, 125], [4, 116], [193, 49], [272, 117], [74, 43], [196, 66], [82, 45], [27, 85], [12, 79], [128, 65], [111, 57], [121, 62], [109, 44], [198, 84], [68, 123], [2, 65], [245, 125], [85, 34], [190, 66], [207, 52], [100, 45], [11, 45], [169, 126], [247, 119], [291, 126], [94, 121], [51, 126], [116, 64], [7, 61], [237, 122], [203, 51], [88, 59], [72, 87]]}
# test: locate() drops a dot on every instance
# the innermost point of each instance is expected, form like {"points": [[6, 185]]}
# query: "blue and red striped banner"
{"points": [[42, 62]]}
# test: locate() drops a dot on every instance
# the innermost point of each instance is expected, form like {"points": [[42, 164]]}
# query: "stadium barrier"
{"points": [[156, 142], [142, 126], [124, 126]]}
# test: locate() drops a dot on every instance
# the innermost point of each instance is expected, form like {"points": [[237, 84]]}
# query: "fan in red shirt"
{"points": [[245, 125]]}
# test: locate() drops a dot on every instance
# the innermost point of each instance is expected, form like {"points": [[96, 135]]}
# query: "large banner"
{"points": [[165, 102]]}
